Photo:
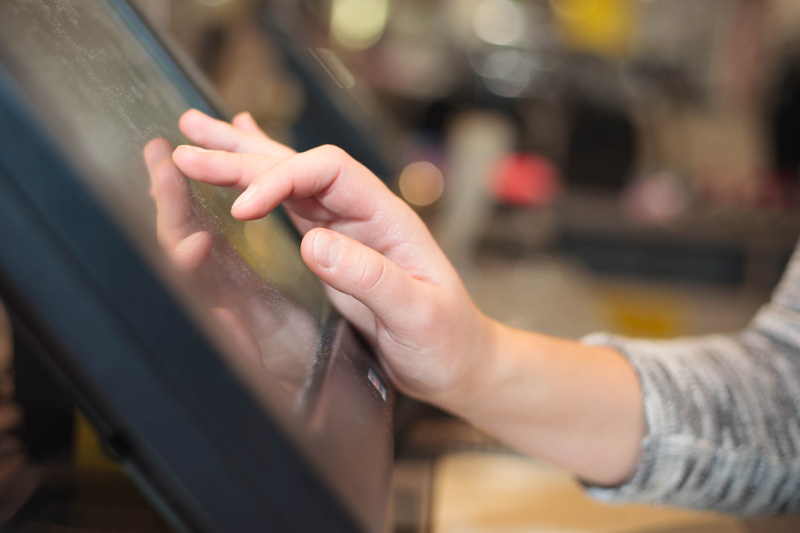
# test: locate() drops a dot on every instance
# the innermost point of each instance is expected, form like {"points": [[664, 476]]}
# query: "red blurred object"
{"points": [[526, 180]]}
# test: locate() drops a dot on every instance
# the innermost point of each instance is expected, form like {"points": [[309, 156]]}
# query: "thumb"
{"points": [[359, 271]]}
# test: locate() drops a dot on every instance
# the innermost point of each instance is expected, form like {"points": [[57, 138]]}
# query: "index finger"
{"points": [[216, 134], [221, 168], [340, 185]]}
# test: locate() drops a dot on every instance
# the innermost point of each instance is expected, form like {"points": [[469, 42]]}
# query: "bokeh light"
{"points": [[213, 3], [499, 22], [507, 72], [421, 183], [358, 24]]}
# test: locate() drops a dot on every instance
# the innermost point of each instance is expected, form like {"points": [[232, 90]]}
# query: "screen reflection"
{"points": [[116, 109]]}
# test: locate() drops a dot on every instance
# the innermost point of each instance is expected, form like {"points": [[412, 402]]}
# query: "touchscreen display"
{"points": [[107, 96]]}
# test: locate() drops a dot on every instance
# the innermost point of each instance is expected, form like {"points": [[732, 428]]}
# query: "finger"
{"points": [[335, 182], [241, 172], [352, 268], [173, 203], [322, 185], [192, 252], [221, 168], [356, 313], [155, 152], [219, 135], [268, 181], [245, 122]]}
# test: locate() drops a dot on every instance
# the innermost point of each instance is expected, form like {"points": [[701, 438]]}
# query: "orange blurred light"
{"points": [[421, 183]]}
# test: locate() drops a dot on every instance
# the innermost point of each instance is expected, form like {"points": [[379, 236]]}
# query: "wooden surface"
{"points": [[503, 493]]}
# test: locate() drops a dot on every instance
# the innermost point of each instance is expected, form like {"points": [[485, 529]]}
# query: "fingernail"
{"points": [[196, 149], [327, 249], [245, 197]]}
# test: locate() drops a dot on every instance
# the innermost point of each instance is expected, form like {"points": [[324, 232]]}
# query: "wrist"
{"points": [[510, 368], [479, 370]]}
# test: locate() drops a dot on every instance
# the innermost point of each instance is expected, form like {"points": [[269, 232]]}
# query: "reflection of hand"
{"points": [[179, 233], [360, 239]]}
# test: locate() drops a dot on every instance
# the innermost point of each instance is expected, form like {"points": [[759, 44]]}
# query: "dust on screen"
{"points": [[92, 80]]}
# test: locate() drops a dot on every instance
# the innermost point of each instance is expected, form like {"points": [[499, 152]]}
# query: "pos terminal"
{"points": [[289, 429]]}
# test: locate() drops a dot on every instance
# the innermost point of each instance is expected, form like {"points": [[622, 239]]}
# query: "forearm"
{"points": [[574, 405]]}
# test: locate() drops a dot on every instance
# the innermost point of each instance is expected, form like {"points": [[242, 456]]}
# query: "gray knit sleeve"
{"points": [[723, 414]]}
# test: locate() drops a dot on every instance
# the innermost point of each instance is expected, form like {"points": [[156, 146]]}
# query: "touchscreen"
{"points": [[91, 78]]}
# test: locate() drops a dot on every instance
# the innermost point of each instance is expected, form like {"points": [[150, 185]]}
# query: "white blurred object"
{"points": [[212, 3], [476, 141], [507, 72], [542, 293], [656, 198], [499, 22]]}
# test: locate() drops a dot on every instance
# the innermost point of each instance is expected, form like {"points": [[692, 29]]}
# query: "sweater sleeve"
{"points": [[723, 414]]}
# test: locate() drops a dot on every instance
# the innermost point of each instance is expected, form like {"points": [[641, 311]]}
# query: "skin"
{"points": [[577, 406]]}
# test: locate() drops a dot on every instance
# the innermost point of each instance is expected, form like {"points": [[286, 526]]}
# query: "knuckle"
{"points": [[333, 152], [238, 144], [433, 314], [371, 275], [241, 169]]}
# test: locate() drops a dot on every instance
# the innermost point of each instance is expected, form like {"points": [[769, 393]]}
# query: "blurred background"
{"points": [[630, 166], [618, 165]]}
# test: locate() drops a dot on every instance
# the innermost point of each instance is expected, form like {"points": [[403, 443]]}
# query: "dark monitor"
{"points": [[234, 393]]}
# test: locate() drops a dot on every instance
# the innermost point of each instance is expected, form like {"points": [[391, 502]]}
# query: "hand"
{"points": [[182, 238], [179, 233], [269, 327], [384, 270], [578, 406]]}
